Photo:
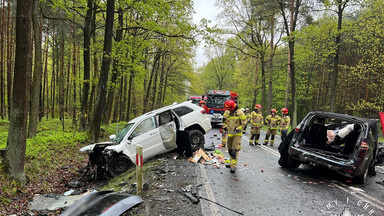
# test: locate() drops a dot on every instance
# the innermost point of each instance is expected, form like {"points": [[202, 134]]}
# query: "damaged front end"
{"points": [[98, 159]]}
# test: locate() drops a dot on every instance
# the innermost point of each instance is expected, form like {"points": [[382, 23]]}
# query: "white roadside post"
{"points": [[139, 168]]}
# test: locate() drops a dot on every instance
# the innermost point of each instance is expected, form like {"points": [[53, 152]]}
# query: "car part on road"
{"points": [[187, 194], [103, 203]]}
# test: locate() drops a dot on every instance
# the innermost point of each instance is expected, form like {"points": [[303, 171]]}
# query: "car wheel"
{"points": [[119, 165], [196, 139], [362, 178], [287, 161]]}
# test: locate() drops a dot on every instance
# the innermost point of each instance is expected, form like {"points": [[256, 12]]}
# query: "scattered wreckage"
{"points": [[179, 126], [103, 203], [343, 143]]}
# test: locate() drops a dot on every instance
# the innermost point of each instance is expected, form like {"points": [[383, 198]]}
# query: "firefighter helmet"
{"points": [[273, 110], [233, 95], [258, 106], [230, 104], [201, 102], [246, 109], [284, 110]]}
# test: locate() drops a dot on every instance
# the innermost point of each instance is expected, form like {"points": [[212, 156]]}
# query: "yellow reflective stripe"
{"points": [[234, 117], [273, 128], [233, 161], [256, 123], [231, 134]]}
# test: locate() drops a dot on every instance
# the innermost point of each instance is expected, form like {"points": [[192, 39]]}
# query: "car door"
{"points": [[146, 134], [168, 128]]}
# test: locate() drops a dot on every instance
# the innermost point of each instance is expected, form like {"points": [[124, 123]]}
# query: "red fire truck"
{"points": [[215, 103], [197, 98]]}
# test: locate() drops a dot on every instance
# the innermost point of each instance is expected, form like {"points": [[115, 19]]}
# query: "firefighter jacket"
{"points": [[248, 116], [273, 122], [225, 115], [257, 119], [235, 123], [285, 122]]}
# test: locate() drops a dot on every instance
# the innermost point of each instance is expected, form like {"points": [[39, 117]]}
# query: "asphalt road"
{"points": [[261, 187]]}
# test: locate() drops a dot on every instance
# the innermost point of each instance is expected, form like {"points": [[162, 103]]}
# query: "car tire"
{"points": [[361, 179], [196, 139], [119, 165], [288, 162]]}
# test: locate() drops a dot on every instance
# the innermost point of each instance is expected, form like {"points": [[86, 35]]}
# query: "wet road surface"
{"points": [[261, 187]]}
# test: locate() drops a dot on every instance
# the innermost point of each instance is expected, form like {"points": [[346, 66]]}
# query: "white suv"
{"points": [[180, 126]]}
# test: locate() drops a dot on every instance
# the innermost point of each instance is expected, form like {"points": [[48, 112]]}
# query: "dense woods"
{"points": [[97, 62]]}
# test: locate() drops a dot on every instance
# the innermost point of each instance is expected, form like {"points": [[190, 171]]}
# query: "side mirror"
{"points": [[130, 137], [112, 137]]}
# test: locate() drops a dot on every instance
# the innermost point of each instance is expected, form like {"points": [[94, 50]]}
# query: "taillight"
{"points": [[297, 129], [108, 208], [203, 111], [364, 146]]}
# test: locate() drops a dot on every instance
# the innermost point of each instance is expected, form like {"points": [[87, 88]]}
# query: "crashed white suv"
{"points": [[180, 126]]}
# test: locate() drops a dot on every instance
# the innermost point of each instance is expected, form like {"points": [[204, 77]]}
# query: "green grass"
{"points": [[51, 148]]}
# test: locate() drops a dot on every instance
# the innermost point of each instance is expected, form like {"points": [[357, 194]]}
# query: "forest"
{"points": [[98, 62]]}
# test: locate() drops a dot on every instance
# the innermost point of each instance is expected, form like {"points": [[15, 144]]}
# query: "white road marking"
{"points": [[272, 151], [210, 195]]}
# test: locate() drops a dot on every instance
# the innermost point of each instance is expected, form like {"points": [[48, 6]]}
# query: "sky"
{"points": [[203, 9]]}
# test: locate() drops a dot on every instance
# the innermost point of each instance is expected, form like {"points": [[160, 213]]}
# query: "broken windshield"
{"points": [[217, 100], [123, 132]]}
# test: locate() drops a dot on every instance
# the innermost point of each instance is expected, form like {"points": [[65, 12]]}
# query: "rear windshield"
{"points": [[183, 110]]}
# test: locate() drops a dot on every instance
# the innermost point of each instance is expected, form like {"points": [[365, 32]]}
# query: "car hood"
{"points": [[89, 148]]}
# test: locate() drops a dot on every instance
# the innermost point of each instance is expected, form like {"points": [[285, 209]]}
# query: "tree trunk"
{"points": [[270, 87], [340, 8], [115, 70], [46, 89], [37, 72], [263, 88], [2, 71], [255, 86], [102, 87], [16, 143], [9, 59], [87, 66]]}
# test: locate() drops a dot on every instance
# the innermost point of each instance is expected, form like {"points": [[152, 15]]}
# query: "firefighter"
{"points": [[224, 132], [248, 116], [284, 123], [272, 120], [234, 125], [203, 105], [256, 123]]}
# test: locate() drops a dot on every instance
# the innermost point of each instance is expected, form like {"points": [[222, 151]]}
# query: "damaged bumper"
{"points": [[343, 167]]}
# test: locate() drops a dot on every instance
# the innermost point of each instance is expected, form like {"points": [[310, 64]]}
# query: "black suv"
{"points": [[343, 143]]}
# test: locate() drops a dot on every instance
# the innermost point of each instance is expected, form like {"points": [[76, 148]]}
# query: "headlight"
{"points": [[87, 149]]}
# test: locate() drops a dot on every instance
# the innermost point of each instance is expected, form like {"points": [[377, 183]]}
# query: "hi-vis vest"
{"points": [[235, 120], [256, 119], [285, 122], [273, 121]]}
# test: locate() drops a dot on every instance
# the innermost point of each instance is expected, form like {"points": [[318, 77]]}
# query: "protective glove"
{"points": [[237, 130]]}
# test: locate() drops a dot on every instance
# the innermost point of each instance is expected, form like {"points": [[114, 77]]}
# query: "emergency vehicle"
{"points": [[215, 103], [197, 98]]}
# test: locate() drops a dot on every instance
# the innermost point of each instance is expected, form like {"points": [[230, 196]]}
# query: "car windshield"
{"points": [[217, 99], [196, 101], [123, 132]]}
